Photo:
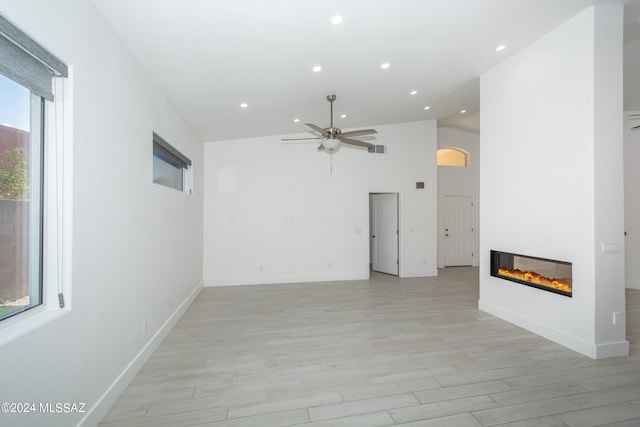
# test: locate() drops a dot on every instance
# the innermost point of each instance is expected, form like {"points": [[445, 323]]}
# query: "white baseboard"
{"points": [[97, 412], [613, 349], [592, 350], [632, 284], [427, 272], [270, 280]]}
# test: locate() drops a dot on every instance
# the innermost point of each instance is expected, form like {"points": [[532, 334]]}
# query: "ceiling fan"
{"points": [[331, 138]]}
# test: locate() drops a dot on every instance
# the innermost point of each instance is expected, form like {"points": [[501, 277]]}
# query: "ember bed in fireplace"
{"points": [[547, 274]]}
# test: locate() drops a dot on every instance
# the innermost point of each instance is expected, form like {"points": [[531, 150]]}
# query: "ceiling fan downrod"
{"points": [[331, 98]]}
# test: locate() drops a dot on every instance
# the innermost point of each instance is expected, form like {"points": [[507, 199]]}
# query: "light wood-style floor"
{"points": [[382, 352]]}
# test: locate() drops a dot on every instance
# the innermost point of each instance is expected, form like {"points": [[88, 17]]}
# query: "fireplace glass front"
{"points": [[546, 274]]}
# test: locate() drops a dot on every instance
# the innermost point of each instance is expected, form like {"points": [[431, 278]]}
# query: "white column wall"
{"points": [[610, 338], [545, 167]]}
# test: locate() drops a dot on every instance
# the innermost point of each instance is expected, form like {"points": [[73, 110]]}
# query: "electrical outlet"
{"points": [[616, 318]]}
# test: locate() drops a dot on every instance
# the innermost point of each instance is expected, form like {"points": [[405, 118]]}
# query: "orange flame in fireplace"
{"points": [[532, 277]]}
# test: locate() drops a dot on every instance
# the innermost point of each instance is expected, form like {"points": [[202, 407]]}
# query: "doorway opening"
{"points": [[384, 233]]}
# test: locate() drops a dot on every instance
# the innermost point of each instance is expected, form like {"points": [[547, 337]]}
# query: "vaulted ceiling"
{"points": [[209, 57]]}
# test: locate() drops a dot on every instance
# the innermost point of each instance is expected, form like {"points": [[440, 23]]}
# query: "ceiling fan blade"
{"points": [[299, 139], [362, 132], [318, 129], [354, 142]]}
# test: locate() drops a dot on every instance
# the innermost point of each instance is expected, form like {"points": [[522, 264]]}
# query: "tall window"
{"points": [[26, 73], [20, 198]]}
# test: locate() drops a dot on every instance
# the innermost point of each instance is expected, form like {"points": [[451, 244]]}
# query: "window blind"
{"points": [[26, 62], [166, 151]]}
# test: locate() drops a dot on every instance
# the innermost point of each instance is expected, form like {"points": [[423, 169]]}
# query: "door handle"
{"points": [[373, 237]]}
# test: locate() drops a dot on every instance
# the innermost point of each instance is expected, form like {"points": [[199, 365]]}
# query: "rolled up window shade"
{"points": [[166, 151], [26, 62]]}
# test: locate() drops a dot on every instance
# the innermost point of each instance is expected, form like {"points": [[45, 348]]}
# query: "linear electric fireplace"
{"points": [[546, 274]]}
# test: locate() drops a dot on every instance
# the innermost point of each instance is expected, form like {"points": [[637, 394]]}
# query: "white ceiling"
{"points": [[209, 56]]}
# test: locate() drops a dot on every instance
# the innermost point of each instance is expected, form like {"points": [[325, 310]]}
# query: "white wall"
{"points": [[551, 180], [455, 181], [275, 213], [632, 199], [631, 161], [609, 181], [135, 244]]}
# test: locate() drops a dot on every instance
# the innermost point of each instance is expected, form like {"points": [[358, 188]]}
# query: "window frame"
{"points": [[57, 193], [169, 155], [35, 215], [55, 183], [41, 203]]}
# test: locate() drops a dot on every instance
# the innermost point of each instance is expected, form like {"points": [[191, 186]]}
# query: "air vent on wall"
{"points": [[381, 149]]}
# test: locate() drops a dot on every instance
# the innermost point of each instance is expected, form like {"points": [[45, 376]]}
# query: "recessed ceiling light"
{"points": [[296, 120], [244, 105], [427, 108], [413, 92], [336, 20], [501, 47], [385, 65], [317, 69], [463, 111], [342, 116]]}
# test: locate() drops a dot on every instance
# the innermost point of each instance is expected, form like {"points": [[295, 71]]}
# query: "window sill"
{"points": [[22, 324]]}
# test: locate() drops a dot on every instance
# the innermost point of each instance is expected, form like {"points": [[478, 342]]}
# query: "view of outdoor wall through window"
{"points": [[20, 198], [452, 157]]}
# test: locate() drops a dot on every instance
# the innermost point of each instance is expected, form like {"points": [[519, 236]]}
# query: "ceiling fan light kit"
{"points": [[330, 144]]}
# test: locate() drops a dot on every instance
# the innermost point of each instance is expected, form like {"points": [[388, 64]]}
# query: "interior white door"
{"points": [[458, 230], [384, 233]]}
